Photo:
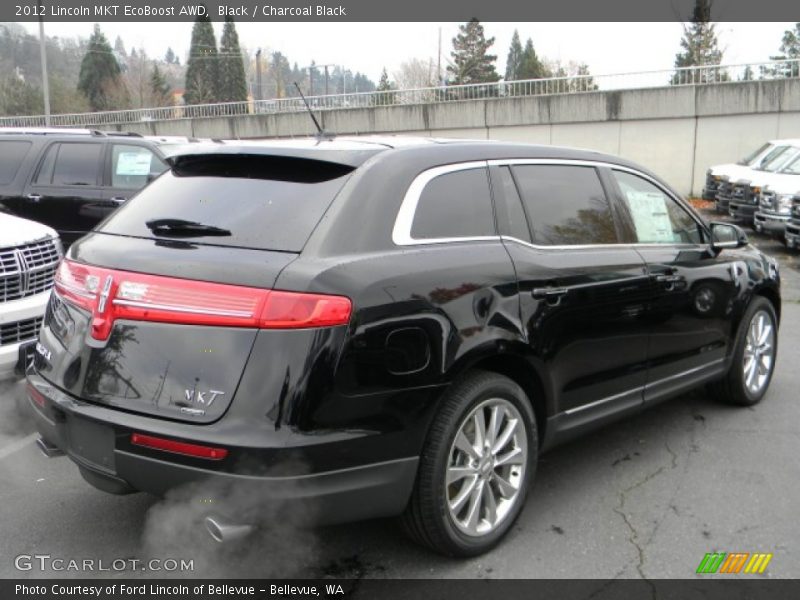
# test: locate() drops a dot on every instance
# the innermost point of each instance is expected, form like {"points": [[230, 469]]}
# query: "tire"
{"points": [[735, 387], [437, 514]]}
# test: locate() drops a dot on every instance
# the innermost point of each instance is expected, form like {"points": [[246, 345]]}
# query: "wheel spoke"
{"points": [[490, 502], [474, 510], [504, 486], [512, 457], [765, 335], [458, 473], [463, 444], [751, 373], [495, 420], [505, 435], [480, 430], [463, 494]]}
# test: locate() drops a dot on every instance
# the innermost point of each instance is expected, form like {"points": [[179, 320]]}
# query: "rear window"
{"points": [[12, 153], [264, 202]]}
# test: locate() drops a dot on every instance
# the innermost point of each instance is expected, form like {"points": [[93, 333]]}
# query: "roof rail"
{"points": [[44, 131], [101, 133]]}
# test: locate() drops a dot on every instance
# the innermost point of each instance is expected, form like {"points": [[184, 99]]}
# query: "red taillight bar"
{"points": [[165, 445], [111, 294]]}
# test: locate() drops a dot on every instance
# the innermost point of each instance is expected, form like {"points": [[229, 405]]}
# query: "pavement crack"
{"points": [[634, 536]]}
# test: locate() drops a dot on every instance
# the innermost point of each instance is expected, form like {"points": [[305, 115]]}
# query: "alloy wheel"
{"points": [[486, 467]]}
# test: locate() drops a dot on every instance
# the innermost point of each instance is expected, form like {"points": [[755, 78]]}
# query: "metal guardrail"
{"points": [[573, 84]]}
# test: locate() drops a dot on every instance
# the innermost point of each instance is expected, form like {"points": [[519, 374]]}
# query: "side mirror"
{"points": [[726, 235]]}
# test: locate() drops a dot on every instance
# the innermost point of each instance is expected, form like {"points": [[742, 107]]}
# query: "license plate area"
{"points": [[92, 443], [27, 352]]}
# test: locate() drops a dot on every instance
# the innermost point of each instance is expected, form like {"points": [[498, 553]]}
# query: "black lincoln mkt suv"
{"points": [[375, 327]]}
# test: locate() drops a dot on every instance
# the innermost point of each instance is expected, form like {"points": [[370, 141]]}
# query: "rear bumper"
{"points": [[771, 223], [113, 465], [16, 311]]}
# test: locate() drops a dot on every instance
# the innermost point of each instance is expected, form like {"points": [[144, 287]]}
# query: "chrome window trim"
{"points": [[401, 233]]}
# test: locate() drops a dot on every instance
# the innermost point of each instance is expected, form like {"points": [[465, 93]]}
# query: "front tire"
{"points": [[475, 468], [754, 357]]}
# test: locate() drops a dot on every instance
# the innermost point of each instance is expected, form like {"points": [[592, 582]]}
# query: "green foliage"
{"points": [[471, 61], [514, 59], [384, 85], [159, 88], [789, 49], [100, 75], [18, 97], [202, 68], [170, 57], [530, 66], [232, 81]]}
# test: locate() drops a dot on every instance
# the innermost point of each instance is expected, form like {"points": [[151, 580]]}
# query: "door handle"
{"points": [[549, 293], [33, 197], [117, 200]]}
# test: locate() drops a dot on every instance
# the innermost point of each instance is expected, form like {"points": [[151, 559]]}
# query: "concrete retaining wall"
{"points": [[678, 132]]}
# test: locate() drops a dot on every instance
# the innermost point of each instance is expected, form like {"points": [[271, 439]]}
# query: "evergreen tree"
{"points": [[232, 81], [699, 47], [99, 77], [530, 67], [471, 63], [384, 85], [169, 57], [514, 59], [202, 68], [789, 49], [119, 47], [159, 87], [281, 75]]}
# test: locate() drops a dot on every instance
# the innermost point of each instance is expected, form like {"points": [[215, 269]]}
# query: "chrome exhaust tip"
{"points": [[48, 449], [221, 531]]}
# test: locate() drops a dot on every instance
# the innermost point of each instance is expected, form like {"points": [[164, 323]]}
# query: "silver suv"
{"points": [[29, 254]]}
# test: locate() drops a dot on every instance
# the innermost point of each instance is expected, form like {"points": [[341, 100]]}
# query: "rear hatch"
{"points": [[157, 311]]}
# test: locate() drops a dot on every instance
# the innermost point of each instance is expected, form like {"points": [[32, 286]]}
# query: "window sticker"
{"points": [[650, 216], [133, 163]]}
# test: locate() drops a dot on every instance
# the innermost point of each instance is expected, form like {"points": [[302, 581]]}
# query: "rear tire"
{"points": [[755, 352], [483, 441]]}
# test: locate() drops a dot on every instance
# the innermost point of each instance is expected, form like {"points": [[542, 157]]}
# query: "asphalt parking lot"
{"points": [[646, 497]]}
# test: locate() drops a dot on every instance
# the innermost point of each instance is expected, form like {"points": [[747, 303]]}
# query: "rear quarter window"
{"points": [[265, 202], [12, 153]]}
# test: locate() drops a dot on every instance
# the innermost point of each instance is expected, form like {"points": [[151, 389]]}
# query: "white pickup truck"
{"points": [[29, 255], [734, 171]]}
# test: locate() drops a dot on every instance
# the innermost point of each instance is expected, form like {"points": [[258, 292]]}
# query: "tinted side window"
{"points": [[131, 166], [12, 153], [455, 205], [657, 218], [77, 164], [566, 204]]}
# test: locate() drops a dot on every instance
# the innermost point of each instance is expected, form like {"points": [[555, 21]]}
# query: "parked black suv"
{"points": [[379, 327], [71, 179]]}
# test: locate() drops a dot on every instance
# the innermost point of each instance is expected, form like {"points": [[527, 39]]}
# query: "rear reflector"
{"points": [[157, 443], [110, 295], [36, 395]]}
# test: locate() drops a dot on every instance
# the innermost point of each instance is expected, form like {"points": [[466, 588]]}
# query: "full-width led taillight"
{"points": [[111, 294], [176, 447]]}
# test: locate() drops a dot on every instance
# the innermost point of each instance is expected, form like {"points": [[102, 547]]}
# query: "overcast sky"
{"points": [[368, 47]]}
